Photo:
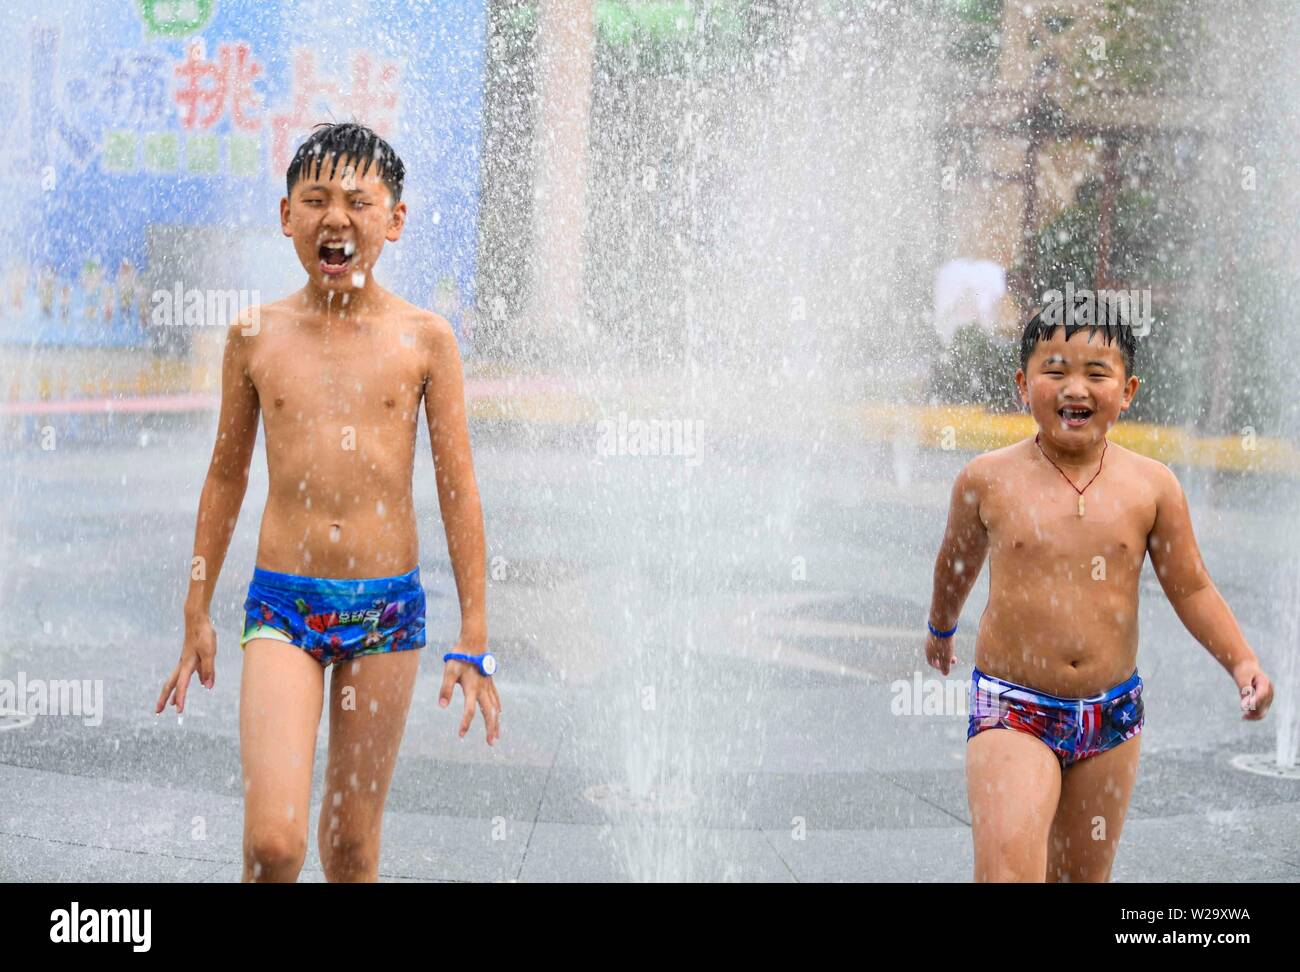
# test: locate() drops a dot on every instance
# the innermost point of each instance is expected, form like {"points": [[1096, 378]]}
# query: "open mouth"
{"points": [[336, 256], [1074, 417]]}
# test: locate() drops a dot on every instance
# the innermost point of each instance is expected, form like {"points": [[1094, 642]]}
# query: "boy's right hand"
{"points": [[1255, 689], [198, 654], [939, 653]]}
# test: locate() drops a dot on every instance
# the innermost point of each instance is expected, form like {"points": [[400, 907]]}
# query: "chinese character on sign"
{"points": [[372, 101], [134, 91], [205, 88]]}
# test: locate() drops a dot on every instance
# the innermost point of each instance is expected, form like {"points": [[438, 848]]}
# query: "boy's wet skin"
{"points": [[1063, 589], [337, 371], [1061, 618], [341, 432]]}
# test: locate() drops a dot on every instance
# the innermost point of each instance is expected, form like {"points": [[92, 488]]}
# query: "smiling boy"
{"points": [[1067, 519], [338, 372]]}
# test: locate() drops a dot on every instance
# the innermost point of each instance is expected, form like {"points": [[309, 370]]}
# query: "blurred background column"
{"points": [[557, 318]]}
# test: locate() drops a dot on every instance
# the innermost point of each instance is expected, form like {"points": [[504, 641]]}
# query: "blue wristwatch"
{"points": [[486, 663]]}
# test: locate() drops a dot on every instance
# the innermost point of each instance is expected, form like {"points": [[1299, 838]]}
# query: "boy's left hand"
{"points": [[478, 689], [1255, 688]]}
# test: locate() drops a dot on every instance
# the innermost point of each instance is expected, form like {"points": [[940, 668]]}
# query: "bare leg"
{"points": [[1012, 782], [369, 699], [280, 699], [1094, 801]]}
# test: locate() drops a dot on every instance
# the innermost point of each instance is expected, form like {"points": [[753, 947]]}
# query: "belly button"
{"points": [[389, 402], [279, 402], [335, 530]]}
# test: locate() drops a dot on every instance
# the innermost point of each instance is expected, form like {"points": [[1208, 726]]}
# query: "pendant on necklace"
{"points": [[1081, 504]]}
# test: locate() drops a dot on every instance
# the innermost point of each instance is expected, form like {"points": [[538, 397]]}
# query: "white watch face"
{"points": [[490, 664]]}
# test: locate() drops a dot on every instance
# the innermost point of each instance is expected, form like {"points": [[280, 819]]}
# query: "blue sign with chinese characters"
{"points": [[141, 132]]}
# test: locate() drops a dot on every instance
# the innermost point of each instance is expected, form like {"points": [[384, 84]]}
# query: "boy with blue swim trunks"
{"points": [[350, 618], [1067, 519], [338, 371]]}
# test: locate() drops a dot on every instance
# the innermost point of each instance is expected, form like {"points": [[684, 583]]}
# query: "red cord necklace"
{"points": [[1105, 443]]}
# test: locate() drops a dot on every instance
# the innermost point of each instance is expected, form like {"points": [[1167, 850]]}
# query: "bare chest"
{"points": [[360, 379], [1044, 523]]}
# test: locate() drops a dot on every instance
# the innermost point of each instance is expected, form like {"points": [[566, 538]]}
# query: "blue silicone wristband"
{"points": [[941, 634], [475, 660]]}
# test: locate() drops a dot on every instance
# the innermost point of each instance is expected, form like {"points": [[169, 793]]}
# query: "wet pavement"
{"points": [[701, 669]]}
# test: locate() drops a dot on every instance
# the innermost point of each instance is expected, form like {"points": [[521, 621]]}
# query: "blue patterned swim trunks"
{"points": [[1073, 729], [335, 619]]}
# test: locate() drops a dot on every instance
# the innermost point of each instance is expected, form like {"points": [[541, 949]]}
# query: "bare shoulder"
{"points": [[437, 330], [253, 319], [989, 468], [1142, 475], [242, 332], [974, 483], [247, 332], [435, 335]]}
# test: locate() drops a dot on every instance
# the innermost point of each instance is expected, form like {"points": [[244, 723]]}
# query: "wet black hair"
{"points": [[347, 140], [1097, 312]]}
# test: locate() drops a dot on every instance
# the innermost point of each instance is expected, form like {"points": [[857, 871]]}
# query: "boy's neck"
{"points": [[1089, 455], [332, 303]]}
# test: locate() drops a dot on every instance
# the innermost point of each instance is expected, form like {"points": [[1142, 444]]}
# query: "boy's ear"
{"points": [[284, 216], [1130, 389], [396, 221], [1022, 387]]}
